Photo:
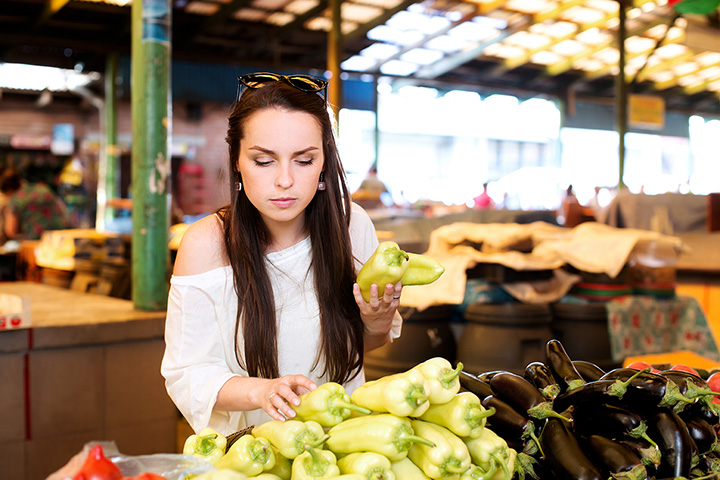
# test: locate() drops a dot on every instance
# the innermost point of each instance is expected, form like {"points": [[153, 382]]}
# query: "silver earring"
{"points": [[238, 186], [321, 183]]}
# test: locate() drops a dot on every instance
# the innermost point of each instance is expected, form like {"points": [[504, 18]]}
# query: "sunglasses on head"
{"points": [[306, 83]]}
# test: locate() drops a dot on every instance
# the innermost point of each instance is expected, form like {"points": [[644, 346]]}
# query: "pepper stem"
{"points": [[315, 466], [416, 396], [477, 413], [318, 442], [641, 432], [417, 439], [530, 432], [619, 387], [340, 404], [544, 410], [206, 444], [501, 461], [453, 466], [447, 378]]}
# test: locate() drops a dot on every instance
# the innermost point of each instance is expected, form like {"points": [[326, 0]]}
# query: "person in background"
{"points": [[32, 206], [371, 191], [372, 183], [483, 201], [263, 304]]}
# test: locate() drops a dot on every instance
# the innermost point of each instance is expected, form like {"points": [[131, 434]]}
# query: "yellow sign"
{"points": [[646, 111]]}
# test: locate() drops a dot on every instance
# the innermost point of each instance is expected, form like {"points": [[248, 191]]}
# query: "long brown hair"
{"points": [[327, 219]]}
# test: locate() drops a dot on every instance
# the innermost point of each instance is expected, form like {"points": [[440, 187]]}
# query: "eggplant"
{"points": [[471, 383], [508, 422], [648, 453], [561, 366], [522, 395], [610, 421], [487, 376], [616, 459], [702, 433], [689, 384], [701, 410], [540, 375], [564, 455], [588, 370], [647, 387], [676, 446], [631, 387]]}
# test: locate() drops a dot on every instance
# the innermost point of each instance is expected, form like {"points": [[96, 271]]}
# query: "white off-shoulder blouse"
{"points": [[199, 354]]}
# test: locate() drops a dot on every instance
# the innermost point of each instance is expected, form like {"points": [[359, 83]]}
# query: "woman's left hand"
{"points": [[378, 313]]}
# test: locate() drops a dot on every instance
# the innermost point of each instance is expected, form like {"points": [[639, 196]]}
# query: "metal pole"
{"points": [[621, 91], [150, 161], [334, 48]]}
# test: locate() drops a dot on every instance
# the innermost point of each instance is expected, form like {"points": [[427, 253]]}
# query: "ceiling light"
{"points": [[447, 43], [685, 68], [413, 91], [594, 36], [358, 13], [462, 96], [269, 5], [385, 33], [421, 56], [587, 17], [556, 30], [568, 48], [527, 40], [607, 6], [386, 4], [473, 32], [202, 8], [636, 45], [358, 63], [20, 76], [250, 14], [711, 73], [427, 24], [380, 51], [708, 58], [545, 57], [298, 7], [492, 22], [671, 50], [530, 7], [502, 50], [398, 67], [280, 18]]}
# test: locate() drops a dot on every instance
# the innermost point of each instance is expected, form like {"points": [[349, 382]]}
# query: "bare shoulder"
{"points": [[202, 248]]}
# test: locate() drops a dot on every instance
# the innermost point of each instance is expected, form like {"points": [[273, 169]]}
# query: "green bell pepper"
{"points": [[283, 466], [464, 415], [314, 463], [221, 474], [422, 270], [449, 458], [328, 405], [249, 455], [290, 437], [384, 433], [402, 394], [488, 449], [405, 469], [443, 379], [386, 265], [208, 444], [371, 465]]}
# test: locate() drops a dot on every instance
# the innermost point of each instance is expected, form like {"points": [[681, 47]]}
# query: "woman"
{"points": [[263, 304]]}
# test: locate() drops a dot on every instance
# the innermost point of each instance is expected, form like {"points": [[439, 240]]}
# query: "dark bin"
{"points": [[425, 335], [504, 336]]}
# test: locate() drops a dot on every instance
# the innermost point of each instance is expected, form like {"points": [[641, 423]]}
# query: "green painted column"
{"points": [[112, 154], [151, 127]]}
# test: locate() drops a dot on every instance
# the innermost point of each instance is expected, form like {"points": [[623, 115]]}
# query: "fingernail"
{"points": [[292, 413], [296, 402]]}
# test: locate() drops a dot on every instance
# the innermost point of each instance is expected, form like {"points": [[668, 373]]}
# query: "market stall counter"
{"points": [[86, 368]]}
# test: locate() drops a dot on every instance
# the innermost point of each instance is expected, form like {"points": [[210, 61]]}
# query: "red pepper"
{"points": [[146, 476], [98, 467]]}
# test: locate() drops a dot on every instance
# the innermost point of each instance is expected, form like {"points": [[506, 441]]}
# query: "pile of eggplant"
{"points": [[570, 419]]}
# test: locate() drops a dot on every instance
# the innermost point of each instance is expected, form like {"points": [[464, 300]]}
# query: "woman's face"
{"points": [[281, 157]]}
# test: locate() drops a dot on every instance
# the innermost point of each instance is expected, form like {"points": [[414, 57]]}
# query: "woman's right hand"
{"points": [[279, 395]]}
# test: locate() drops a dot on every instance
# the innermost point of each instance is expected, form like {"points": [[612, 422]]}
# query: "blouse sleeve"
{"points": [[364, 242], [195, 365]]}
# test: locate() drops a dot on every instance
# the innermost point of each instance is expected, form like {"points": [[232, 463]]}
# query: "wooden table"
{"points": [[87, 369]]}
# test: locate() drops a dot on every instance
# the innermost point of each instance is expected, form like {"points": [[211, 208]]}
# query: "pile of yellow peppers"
{"points": [[406, 426]]}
